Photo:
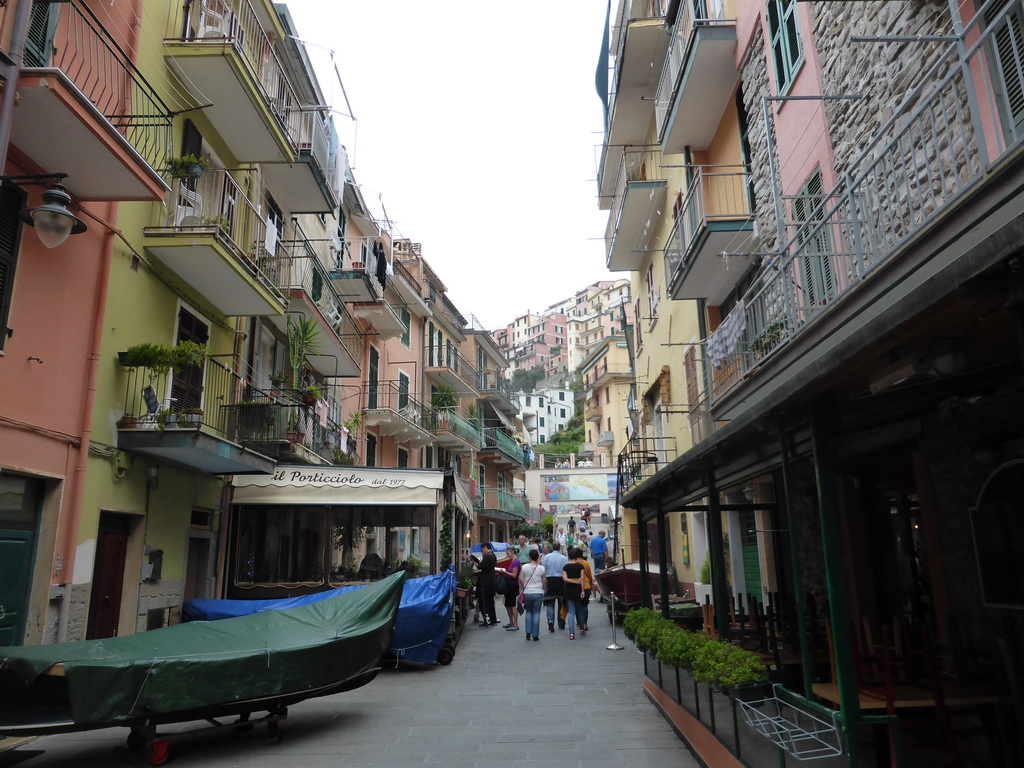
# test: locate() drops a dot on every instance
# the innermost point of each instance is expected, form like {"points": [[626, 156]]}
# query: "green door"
{"points": [[16, 549], [751, 554]]}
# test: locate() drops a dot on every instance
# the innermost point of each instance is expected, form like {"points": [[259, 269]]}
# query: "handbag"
{"points": [[520, 607], [500, 584]]}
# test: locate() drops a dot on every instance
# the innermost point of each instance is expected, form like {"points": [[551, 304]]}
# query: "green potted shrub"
{"points": [[728, 667], [679, 648], [187, 166]]}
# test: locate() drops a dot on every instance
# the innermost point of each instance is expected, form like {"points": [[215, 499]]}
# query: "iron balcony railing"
{"points": [[439, 302], [678, 50], [394, 396], [495, 437], [962, 118], [450, 420], [99, 67], [447, 355], [504, 501], [215, 204], [493, 382], [630, 11], [234, 23], [260, 419], [309, 127], [641, 457], [636, 164], [715, 193], [299, 269], [403, 272]]}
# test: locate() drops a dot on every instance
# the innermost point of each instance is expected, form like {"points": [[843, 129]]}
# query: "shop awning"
{"points": [[339, 485]]}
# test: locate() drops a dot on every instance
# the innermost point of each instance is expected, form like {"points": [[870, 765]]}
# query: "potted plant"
{"points": [[295, 435], [127, 421], [193, 416], [160, 358], [187, 166], [303, 341], [311, 394]]}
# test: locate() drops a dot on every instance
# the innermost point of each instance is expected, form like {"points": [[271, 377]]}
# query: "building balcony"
{"points": [[502, 449], [224, 57], [586, 451], [311, 294], [444, 363], [214, 240], [592, 413], [602, 373], [638, 194], [606, 439], [169, 420], [311, 182], [384, 318], [847, 270], [390, 410], [699, 77], [715, 218], [85, 109], [493, 386], [496, 502], [354, 273], [454, 431], [639, 44]]}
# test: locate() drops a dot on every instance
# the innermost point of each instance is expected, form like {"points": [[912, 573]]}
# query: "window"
{"points": [[1008, 40], [819, 283], [371, 449], [561, 395], [542, 421], [542, 439], [403, 458], [562, 414], [528, 400], [12, 199], [785, 42], [187, 381], [403, 312]]}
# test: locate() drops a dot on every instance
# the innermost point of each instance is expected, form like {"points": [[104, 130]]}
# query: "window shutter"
{"points": [[1009, 43], [187, 384], [12, 200], [42, 27]]}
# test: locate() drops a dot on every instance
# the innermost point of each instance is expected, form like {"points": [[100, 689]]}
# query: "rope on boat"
{"points": [[399, 652]]}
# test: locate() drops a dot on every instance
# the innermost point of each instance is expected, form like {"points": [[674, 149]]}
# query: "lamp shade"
{"points": [[53, 222]]}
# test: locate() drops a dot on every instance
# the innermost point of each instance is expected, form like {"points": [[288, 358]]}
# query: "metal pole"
{"points": [[614, 646]]}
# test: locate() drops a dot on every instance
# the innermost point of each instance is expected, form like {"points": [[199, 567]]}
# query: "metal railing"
{"points": [[403, 272], [495, 437], [641, 457], [260, 419], [447, 355], [678, 49], [493, 382], [234, 23], [715, 193], [923, 162], [636, 164], [300, 270], [450, 420], [214, 203], [504, 501], [309, 128], [96, 63], [394, 396], [602, 370]]}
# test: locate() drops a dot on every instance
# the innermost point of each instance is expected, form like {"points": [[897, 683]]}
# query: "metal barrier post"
{"points": [[614, 646]]}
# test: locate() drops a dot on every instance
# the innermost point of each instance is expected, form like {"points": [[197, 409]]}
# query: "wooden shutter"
{"points": [[12, 200], [187, 384], [42, 27], [1009, 45]]}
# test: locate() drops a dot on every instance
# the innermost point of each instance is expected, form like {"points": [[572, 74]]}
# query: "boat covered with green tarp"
{"points": [[200, 669]]}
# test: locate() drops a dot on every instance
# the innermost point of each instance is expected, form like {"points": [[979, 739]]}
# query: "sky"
{"points": [[476, 127]]}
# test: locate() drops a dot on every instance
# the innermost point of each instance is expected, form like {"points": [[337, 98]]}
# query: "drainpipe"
{"points": [[71, 515], [838, 588]]}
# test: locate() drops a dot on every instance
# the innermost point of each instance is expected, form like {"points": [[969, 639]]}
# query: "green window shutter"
{"points": [[784, 34], [12, 200], [407, 320], [42, 27], [1009, 64]]}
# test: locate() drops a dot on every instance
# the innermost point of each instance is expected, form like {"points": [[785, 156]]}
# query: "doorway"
{"points": [[197, 566], [19, 516], [108, 575]]}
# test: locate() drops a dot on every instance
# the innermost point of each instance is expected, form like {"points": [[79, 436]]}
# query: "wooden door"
{"points": [[108, 576]]}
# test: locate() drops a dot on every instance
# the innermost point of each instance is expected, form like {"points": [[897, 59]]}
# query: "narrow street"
{"points": [[556, 702]]}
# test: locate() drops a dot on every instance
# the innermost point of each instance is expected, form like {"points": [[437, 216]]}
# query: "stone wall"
{"points": [[166, 595]]}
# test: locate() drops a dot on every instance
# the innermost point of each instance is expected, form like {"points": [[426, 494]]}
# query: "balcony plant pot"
{"points": [[755, 691], [193, 416], [127, 422], [296, 437]]}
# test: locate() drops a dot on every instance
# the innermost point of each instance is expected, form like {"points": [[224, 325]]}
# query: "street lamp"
{"points": [[53, 222]]}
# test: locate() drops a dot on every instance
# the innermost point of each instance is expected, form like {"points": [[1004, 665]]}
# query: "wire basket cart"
{"points": [[794, 724]]}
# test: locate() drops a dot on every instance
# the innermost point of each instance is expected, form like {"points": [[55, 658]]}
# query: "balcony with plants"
{"points": [[641, 457], [699, 76], [834, 243], [637, 196], [225, 57], [314, 303], [638, 45], [214, 239], [454, 429], [445, 364], [495, 388], [180, 408], [500, 448], [83, 104], [716, 218], [392, 411]]}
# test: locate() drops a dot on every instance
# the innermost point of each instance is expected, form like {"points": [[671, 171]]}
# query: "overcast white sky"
{"points": [[476, 124]]}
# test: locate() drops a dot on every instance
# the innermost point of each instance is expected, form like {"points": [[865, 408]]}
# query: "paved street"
{"points": [[554, 703]]}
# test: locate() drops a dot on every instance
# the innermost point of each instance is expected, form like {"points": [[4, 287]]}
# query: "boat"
{"points": [[422, 628], [200, 670], [625, 582]]}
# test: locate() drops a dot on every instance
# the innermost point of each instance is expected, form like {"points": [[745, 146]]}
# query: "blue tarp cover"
{"points": [[424, 614]]}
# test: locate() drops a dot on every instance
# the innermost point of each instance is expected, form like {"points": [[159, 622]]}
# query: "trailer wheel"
{"points": [[136, 740], [446, 655]]}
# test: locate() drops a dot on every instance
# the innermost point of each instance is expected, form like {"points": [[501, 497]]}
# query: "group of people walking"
{"points": [[546, 577]]}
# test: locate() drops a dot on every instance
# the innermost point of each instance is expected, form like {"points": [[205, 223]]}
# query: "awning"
{"points": [[348, 485], [506, 420], [463, 499]]}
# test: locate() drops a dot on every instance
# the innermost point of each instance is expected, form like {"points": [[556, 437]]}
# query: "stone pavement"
{"points": [[555, 703]]}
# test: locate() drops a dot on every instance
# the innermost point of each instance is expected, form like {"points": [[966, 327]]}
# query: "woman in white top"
{"points": [[533, 584]]}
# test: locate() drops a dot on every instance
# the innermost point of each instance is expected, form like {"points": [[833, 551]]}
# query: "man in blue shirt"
{"points": [[553, 562], [599, 549]]}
